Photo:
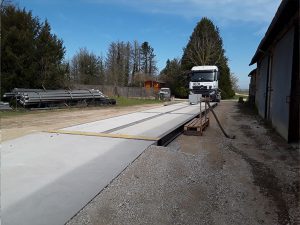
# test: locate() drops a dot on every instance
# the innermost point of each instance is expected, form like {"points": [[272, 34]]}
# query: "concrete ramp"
{"points": [[46, 178]]}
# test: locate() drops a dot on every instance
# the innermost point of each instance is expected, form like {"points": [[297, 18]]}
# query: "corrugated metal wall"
{"points": [[261, 80], [281, 83]]}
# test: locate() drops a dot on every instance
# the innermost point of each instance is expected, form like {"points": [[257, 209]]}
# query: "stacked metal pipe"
{"points": [[45, 98]]}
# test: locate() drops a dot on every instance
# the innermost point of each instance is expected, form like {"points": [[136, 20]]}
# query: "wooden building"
{"points": [[156, 85]]}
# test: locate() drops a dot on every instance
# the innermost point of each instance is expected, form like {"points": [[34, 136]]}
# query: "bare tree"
{"points": [[5, 3], [234, 81], [118, 63], [111, 64], [87, 68], [136, 59], [152, 63]]}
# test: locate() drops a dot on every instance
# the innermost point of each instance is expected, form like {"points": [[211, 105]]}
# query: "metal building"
{"points": [[277, 76], [252, 86]]}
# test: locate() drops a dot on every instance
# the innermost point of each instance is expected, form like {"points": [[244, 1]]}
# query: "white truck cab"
{"points": [[203, 81], [165, 94]]}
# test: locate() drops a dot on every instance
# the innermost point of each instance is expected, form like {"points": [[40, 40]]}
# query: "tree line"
{"points": [[125, 64], [33, 57]]}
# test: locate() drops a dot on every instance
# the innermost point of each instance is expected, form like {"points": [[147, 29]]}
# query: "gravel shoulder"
{"points": [[253, 179]]}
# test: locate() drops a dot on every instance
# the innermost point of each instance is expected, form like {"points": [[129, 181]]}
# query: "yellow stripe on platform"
{"points": [[124, 136]]}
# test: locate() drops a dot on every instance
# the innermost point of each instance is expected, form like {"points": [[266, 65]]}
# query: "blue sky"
{"points": [[165, 24]]}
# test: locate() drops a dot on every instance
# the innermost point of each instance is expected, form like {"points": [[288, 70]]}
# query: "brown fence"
{"points": [[129, 92]]}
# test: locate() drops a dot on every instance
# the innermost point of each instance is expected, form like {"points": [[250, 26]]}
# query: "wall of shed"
{"points": [[261, 80], [281, 83]]}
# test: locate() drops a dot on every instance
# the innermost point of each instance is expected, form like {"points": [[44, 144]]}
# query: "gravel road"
{"points": [[253, 179]]}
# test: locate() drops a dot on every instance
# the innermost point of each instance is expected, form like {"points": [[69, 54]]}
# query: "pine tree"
{"points": [[145, 49], [136, 60], [87, 68], [30, 55], [19, 29], [111, 64], [205, 47], [127, 62], [148, 63], [50, 53], [172, 76]]}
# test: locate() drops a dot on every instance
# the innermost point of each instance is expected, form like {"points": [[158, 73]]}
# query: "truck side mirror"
{"points": [[218, 75]]}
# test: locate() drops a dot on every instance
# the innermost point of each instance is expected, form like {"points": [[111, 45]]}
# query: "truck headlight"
{"points": [[212, 93]]}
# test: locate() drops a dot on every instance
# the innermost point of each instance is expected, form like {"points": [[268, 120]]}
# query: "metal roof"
{"points": [[252, 72], [285, 12]]}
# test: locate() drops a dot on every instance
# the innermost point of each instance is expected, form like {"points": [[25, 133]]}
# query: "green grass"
{"points": [[237, 95], [122, 101], [8, 113]]}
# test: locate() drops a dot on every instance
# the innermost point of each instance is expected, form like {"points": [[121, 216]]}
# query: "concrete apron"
{"points": [[46, 178]]}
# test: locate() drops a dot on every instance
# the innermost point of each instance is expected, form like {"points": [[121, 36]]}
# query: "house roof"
{"points": [[285, 12]]}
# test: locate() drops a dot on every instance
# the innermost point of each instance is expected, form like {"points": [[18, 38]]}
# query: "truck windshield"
{"points": [[202, 76]]}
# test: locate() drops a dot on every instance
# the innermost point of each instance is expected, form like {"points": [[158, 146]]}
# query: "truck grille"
{"points": [[201, 90]]}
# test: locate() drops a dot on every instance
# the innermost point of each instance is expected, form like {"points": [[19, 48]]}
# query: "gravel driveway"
{"points": [[253, 179]]}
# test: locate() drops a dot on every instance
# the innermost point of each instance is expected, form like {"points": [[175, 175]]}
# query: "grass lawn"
{"points": [[237, 95], [6, 113], [122, 101]]}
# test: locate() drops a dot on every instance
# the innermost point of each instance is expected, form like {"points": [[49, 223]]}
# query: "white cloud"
{"points": [[229, 10]]}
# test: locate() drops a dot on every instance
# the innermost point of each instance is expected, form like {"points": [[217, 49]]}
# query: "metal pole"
{"points": [[205, 113], [200, 110]]}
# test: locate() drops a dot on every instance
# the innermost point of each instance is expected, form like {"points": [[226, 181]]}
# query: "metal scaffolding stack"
{"points": [[40, 98]]}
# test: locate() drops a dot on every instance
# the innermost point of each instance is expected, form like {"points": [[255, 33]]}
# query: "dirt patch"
{"points": [[20, 125], [274, 163], [265, 178]]}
